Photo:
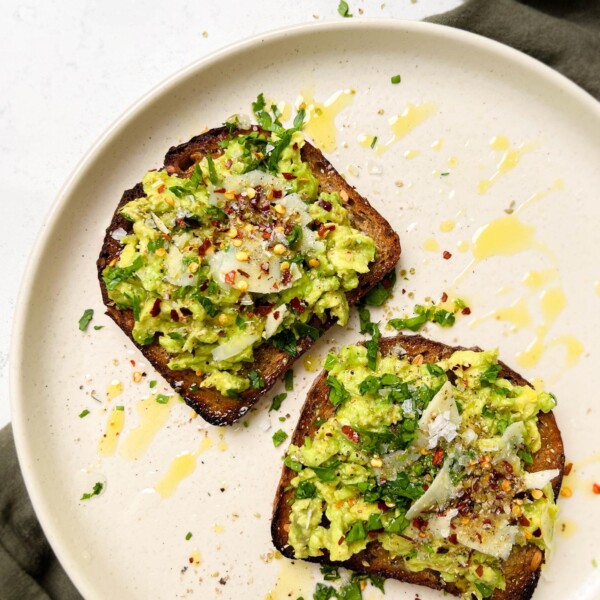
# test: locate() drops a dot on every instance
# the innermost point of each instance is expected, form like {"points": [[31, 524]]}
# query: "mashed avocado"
{"points": [[429, 460], [242, 252]]}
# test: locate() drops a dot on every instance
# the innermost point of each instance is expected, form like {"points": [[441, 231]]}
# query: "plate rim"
{"points": [[17, 343]]}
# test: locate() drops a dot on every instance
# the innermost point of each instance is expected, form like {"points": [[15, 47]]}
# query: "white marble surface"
{"points": [[70, 68]]}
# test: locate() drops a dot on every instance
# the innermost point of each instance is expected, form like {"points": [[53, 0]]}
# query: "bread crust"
{"points": [[521, 569], [269, 362]]}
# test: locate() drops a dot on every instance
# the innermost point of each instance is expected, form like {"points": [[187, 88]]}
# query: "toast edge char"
{"points": [[521, 569], [270, 362]]}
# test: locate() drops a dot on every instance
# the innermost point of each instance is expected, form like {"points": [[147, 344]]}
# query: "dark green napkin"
{"points": [[564, 34], [28, 567]]}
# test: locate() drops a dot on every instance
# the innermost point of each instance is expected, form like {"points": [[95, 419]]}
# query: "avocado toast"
{"points": [[435, 465], [228, 263]]}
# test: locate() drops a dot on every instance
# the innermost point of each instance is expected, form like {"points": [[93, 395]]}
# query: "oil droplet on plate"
{"points": [[403, 124], [437, 144], [463, 246], [195, 558], [320, 117], [294, 580], [114, 390], [153, 416], [538, 279], [218, 528], [311, 362], [452, 161], [222, 442], [410, 154], [553, 302], [517, 314], [181, 467], [510, 159], [114, 426], [503, 237], [367, 141], [597, 287], [431, 245], [566, 528], [447, 226]]}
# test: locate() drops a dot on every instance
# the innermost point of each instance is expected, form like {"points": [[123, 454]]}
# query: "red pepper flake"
{"points": [[524, 521], [181, 223], [228, 163], [277, 194], [568, 469], [438, 457], [155, 310], [266, 235], [230, 278], [220, 191], [381, 505], [446, 255], [174, 315], [466, 311], [265, 267], [132, 362], [204, 286], [537, 533], [288, 176], [287, 277], [479, 570], [596, 488], [297, 305], [262, 310], [453, 539], [243, 273], [186, 312], [350, 434], [321, 231], [325, 205], [161, 189], [204, 246], [444, 297], [419, 523], [276, 314], [341, 540]]}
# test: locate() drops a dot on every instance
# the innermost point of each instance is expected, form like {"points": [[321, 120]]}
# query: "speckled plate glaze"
{"points": [[435, 184]]}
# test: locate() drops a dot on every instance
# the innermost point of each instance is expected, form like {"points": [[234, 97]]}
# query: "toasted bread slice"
{"points": [[521, 569], [270, 362]]}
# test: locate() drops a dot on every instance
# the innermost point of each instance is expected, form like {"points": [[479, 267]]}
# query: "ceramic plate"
{"points": [[483, 156]]}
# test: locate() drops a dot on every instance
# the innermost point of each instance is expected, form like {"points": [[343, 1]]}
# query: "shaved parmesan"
{"points": [[539, 479], [440, 524], [441, 419], [175, 272], [159, 224], [273, 321], [497, 540], [234, 346], [440, 490]]}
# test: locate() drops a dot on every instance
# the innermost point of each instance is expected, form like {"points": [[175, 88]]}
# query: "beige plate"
{"points": [[129, 542]]}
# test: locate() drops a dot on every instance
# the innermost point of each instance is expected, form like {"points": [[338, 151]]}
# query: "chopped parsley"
{"points": [[96, 491], [288, 379], [162, 399], [85, 319], [277, 402], [382, 291], [84, 413], [279, 437], [396, 79], [256, 381], [344, 9], [188, 535]]}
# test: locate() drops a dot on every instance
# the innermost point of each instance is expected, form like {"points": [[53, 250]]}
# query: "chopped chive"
{"points": [[188, 535], [85, 319], [84, 413], [373, 142], [152, 384], [396, 79]]}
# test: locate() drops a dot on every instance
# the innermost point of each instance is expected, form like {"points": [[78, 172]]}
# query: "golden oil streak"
{"points": [[320, 117], [402, 124], [108, 442], [181, 467], [153, 417]]}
